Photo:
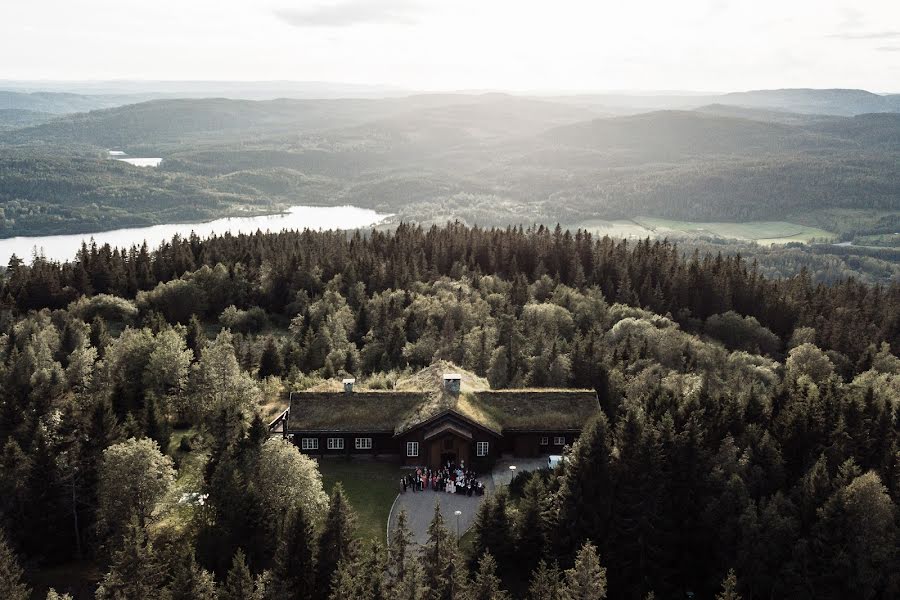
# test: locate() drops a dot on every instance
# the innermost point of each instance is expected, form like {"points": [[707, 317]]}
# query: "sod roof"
{"points": [[359, 411], [420, 397], [397, 412]]}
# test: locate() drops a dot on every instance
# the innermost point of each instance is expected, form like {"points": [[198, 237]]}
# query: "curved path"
{"points": [[419, 507]]}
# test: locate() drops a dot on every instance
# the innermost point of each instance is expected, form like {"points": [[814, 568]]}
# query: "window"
{"points": [[335, 443], [559, 440], [412, 448], [309, 443], [544, 440], [363, 443], [481, 449]]}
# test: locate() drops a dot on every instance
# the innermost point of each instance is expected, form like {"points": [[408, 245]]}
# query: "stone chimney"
{"points": [[348, 385], [452, 382]]}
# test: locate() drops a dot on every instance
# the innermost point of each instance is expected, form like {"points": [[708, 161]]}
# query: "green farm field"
{"points": [[761, 232]]}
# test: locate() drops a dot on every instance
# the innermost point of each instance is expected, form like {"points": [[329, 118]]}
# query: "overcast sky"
{"points": [[709, 45]]}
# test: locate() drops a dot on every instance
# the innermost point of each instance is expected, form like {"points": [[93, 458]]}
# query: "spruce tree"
{"points": [[587, 579], [486, 585], [585, 495], [546, 583], [191, 581], [729, 587], [294, 572], [270, 362], [399, 552], [11, 584], [532, 526], [156, 425], [410, 588], [239, 583], [337, 541], [363, 577], [136, 571], [440, 558], [195, 338], [493, 530]]}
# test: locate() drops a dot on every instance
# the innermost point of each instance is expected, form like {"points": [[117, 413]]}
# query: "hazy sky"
{"points": [[462, 44]]}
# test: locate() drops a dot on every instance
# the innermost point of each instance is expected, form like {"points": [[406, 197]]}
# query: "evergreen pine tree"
{"points": [[587, 579], [411, 587], [532, 526], [400, 552], [270, 362], [136, 571], [11, 585], [294, 571], [362, 577], [191, 581], [585, 495], [157, 426], [195, 338], [336, 542], [444, 574], [729, 587], [546, 583], [239, 583], [486, 585]]}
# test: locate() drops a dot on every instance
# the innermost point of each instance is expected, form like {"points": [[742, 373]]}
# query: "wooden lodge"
{"points": [[432, 427]]}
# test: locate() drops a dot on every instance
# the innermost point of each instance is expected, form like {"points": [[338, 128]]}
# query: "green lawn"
{"points": [[371, 487], [762, 232]]}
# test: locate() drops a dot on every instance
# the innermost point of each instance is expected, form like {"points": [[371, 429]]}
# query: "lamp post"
{"points": [[457, 513], [512, 473]]}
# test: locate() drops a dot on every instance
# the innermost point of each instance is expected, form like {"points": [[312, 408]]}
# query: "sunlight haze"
{"points": [[706, 45]]}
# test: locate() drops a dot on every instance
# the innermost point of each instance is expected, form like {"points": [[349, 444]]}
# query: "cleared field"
{"points": [[371, 487], [762, 232]]}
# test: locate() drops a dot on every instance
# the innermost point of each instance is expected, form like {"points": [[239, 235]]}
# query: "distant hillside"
{"points": [[61, 103], [178, 121], [490, 159], [828, 102], [682, 134], [761, 114], [55, 194], [877, 129], [15, 118], [169, 122]]}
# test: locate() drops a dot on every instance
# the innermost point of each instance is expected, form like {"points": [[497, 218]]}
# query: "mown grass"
{"points": [[371, 486]]}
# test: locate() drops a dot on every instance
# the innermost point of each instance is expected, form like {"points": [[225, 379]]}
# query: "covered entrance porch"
{"points": [[448, 442]]}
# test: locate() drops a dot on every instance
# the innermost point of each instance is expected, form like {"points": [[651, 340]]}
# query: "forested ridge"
{"points": [[487, 160], [749, 440]]}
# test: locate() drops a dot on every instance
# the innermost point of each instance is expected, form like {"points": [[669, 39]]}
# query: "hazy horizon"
{"points": [[700, 46]]}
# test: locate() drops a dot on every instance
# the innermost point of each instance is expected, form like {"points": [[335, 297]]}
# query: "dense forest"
{"points": [[748, 446], [487, 160]]}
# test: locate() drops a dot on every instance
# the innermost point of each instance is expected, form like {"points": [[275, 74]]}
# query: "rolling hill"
{"points": [[490, 159]]}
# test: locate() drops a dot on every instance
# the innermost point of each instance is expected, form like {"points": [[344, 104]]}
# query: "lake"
{"points": [[142, 162], [64, 247]]}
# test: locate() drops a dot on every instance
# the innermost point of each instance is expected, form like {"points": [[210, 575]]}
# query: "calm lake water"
{"points": [[142, 162], [64, 247]]}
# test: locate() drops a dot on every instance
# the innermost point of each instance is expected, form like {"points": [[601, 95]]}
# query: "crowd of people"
{"points": [[451, 478]]}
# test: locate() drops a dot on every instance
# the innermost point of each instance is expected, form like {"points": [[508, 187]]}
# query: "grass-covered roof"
{"points": [[359, 411], [421, 396]]}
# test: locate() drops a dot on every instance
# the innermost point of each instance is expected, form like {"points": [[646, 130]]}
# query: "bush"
{"points": [[105, 306], [252, 320], [178, 300]]}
